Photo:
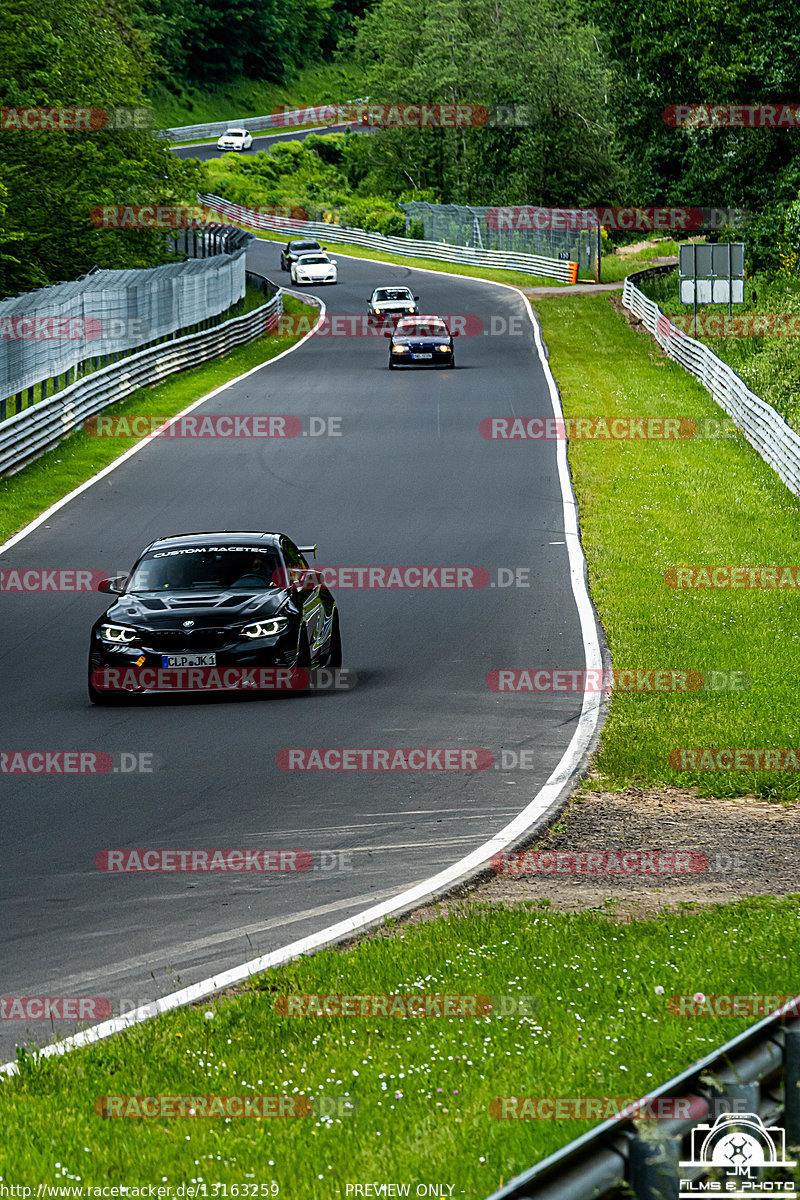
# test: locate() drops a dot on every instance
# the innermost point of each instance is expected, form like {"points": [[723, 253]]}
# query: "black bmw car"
{"points": [[421, 341], [292, 251], [238, 611]]}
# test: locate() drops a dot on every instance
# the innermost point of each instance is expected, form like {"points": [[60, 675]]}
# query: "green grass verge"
{"points": [[615, 267], [321, 83], [648, 506], [44, 481], [421, 1086], [770, 366], [430, 264]]}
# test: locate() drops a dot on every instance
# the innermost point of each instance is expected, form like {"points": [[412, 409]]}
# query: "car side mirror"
{"points": [[333, 262], [115, 584], [416, 297]]}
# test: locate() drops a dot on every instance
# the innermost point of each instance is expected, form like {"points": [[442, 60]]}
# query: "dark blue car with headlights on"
{"points": [[209, 611], [421, 342]]}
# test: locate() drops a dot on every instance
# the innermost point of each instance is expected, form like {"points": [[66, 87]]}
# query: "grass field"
{"points": [[24, 495], [647, 506], [595, 1023]]}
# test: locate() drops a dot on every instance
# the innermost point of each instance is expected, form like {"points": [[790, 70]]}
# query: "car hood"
{"points": [[316, 268], [391, 305], [212, 609]]}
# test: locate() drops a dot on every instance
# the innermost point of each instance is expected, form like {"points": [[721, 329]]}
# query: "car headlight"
{"points": [[399, 349], [444, 347], [118, 635], [264, 629]]}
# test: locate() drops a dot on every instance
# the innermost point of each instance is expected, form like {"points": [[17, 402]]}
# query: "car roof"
{"points": [[417, 319], [215, 538], [392, 287]]}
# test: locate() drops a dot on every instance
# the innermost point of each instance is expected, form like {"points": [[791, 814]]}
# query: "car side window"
{"points": [[293, 556]]}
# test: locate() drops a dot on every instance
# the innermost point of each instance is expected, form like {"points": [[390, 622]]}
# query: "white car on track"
{"points": [[235, 139], [314, 268]]}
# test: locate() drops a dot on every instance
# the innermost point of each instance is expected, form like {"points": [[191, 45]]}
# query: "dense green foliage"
{"points": [[199, 41], [323, 177], [533, 53], [70, 53], [705, 52]]}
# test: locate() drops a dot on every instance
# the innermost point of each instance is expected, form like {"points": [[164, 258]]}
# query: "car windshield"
{"points": [[423, 328], [220, 568], [308, 259], [236, 133], [393, 294], [304, 246]]}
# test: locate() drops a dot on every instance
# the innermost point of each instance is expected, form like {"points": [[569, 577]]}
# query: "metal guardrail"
{"points": [[286, 120], [765, 429], [616, 1159], [529, 264], [56, 331], [40, 427]]}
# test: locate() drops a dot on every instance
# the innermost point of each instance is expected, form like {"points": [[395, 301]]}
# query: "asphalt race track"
{"points": [[409, 481], [205, 150]]}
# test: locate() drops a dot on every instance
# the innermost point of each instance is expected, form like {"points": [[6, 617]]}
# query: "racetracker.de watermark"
{"points": [[394, 758], [419, 1004], [54, 1008], [572, 220], [605, 429], [735, 758], [74, 120], [402, 578], [727, 575], [76, 762], [261, 1107], [727, 1004], [187, 216], [663, 680], [597, 1108], [720, 325], [736, 116], [139, 678], [237, 862], [600, 862], [259, 425], [49, 328], [50, 579], [408, 115]]}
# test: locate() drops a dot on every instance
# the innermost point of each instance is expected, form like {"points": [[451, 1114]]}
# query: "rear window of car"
{"points": [[423, 328]]}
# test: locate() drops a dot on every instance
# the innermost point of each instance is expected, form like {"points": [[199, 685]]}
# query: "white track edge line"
{"points": [[140, 445], [547, 795]]}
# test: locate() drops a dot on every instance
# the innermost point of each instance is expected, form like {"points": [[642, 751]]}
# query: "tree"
{"points": [[65, 54]]}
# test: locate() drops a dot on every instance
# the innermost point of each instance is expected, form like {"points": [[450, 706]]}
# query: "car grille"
{"points": [[171, 640]]}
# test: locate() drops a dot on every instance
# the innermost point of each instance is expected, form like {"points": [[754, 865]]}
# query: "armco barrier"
{"points": [[114, 311], [43, 425], [764, 428], [214, 129], [756, 1072], [530, 264]]}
